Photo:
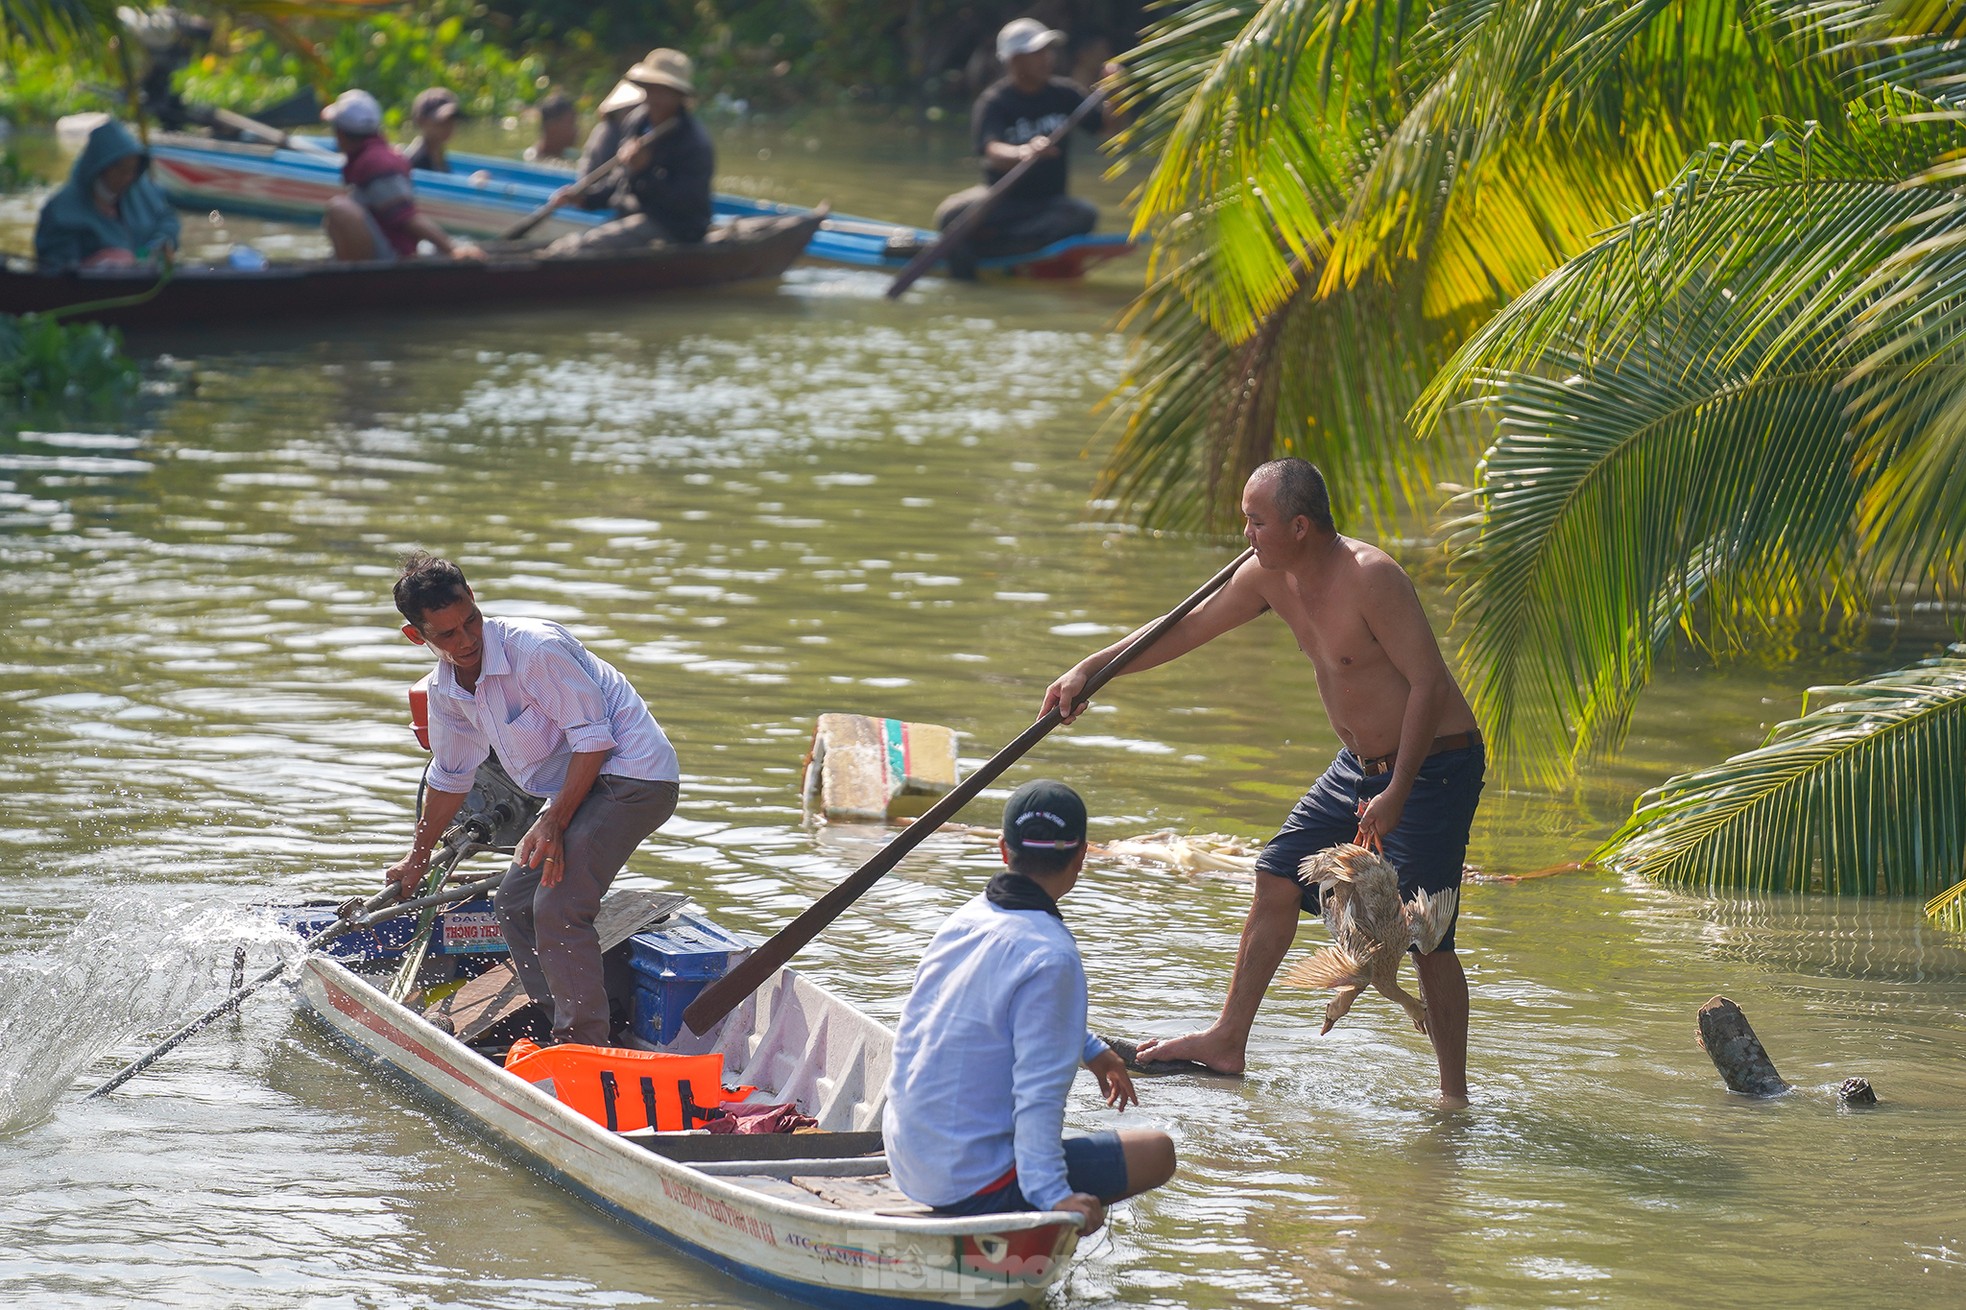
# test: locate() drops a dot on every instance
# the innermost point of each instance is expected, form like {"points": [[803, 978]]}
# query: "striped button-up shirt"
{"points": [[541, 697]]}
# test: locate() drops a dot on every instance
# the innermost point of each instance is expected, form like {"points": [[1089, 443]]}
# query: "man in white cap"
{"points": [[376, 218], [662, 192], [1017, 117]]}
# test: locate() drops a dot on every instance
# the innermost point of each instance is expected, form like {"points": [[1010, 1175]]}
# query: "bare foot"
{"points": [[1211, 1047], [1448, 1101]]}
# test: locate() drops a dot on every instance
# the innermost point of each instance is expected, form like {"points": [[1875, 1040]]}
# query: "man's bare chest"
{"points": [[1331, 631]]}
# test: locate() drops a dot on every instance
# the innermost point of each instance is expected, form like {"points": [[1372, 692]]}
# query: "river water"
{"points": [[762, 505]]}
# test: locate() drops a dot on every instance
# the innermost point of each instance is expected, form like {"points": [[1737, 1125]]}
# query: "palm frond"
{"points": [[1948, 908], [1627, 502], [1625, 86], [1865, 793], [56, 24], [1249, 124], [1329, 378], [1794, 230]]}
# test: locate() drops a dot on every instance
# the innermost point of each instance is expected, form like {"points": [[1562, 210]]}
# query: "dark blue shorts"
{"points": [[1094, 1164], [1430, 845]]}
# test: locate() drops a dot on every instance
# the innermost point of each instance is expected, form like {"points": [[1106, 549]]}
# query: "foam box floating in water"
{"points": [[874, 769]]}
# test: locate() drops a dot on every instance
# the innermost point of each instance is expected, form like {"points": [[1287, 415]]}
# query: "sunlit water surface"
{"points": [[762, 505]]}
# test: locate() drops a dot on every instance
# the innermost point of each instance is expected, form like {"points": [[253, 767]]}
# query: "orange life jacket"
{"points": [[626, 1089]]}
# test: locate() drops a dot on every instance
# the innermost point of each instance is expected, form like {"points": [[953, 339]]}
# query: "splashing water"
{"points": [[131, 968]]}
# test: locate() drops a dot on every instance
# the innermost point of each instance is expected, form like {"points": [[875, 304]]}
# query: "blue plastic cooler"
{"points": [[672, 963]]}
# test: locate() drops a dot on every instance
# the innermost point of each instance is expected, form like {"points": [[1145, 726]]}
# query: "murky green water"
{"points": [[763, 505]]}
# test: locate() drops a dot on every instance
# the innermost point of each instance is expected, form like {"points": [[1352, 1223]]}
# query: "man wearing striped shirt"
{"points": [[992, 1036], [568, 727]]}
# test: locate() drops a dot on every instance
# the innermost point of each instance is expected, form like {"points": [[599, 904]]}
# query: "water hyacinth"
{"points": [[43, 360]]}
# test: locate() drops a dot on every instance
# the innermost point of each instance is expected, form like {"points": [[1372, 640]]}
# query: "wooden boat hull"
{"points": [[210, 296], [485, 195], [794, 1039]]}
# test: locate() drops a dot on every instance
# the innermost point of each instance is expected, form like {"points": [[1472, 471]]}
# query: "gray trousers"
{"points": [[633, 232], [550, 930], [1015, 227]]}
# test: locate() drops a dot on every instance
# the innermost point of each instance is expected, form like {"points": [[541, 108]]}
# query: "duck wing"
{"points": [[1429, 914], [1333, 966]]}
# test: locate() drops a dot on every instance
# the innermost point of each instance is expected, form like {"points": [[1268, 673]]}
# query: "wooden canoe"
{"points": [[215, 296], [822, 1225]]}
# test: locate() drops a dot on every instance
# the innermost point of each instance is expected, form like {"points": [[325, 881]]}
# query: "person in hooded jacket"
{"points": [[111, 214]]}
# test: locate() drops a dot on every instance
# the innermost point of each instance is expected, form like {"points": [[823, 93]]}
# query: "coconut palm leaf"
{"points": [[1669, 490], [1248, 149], [1619, 90], [1865, 793], [1948, 908], [55, 24], [1328, 378], [1795, 230]]}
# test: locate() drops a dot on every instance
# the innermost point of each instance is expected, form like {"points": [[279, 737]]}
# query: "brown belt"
{"points": [[1453, 741]]}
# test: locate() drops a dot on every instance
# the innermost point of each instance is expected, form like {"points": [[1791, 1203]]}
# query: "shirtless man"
{"points": [[1409, 775]]}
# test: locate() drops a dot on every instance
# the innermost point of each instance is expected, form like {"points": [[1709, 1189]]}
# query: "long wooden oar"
{"points": [[967, 221], [582, 185], [586, 182], [353, 915], [723, 995], [240, 123]]}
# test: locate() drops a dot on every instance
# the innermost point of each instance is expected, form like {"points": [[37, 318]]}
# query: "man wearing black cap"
{"points": [[434, 114], [992, 1036]]}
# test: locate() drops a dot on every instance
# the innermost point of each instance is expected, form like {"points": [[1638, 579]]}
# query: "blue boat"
{"points": [[484, 195]]}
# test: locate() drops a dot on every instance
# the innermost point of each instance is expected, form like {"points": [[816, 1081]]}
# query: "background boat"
{"points": [[484, 195]]}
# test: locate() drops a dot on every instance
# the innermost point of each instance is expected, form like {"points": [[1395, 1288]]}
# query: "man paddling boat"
{"points": [[567, 726], [993, 1034], [662, 191], [1016, 117], [1410, 773]]}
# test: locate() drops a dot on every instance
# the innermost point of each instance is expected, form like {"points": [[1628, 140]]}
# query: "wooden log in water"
{"points": [[1856, 1092], [1730, 1042]]}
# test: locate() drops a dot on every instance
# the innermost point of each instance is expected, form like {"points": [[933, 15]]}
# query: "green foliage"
{"points": [[45, 362], [42, 85], [13, 174], [1864, 794], [391, 53]]}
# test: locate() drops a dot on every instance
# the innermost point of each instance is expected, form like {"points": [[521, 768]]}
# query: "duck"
{"points": [[1371, 929]]}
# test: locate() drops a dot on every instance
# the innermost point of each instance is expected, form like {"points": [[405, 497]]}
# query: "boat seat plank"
{"points": [[697, 1148], [866, 1195], [863, 1166]]}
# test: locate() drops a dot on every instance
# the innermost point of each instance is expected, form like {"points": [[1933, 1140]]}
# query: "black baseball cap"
{"points": [[1044, 816]]}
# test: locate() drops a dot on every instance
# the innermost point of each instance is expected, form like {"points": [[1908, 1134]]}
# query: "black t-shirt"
{"points": [[1004, 113], [420, 157]]}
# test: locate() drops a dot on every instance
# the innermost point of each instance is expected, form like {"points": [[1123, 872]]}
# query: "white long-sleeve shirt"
{"points": [[984, 1056], [541, 697]]}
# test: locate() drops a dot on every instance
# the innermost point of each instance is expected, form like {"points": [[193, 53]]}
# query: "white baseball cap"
{"points": [[354, 112], [1020, 36]]}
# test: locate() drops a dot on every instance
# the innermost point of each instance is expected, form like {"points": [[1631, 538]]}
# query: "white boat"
{"points": [[825, 1227]]}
